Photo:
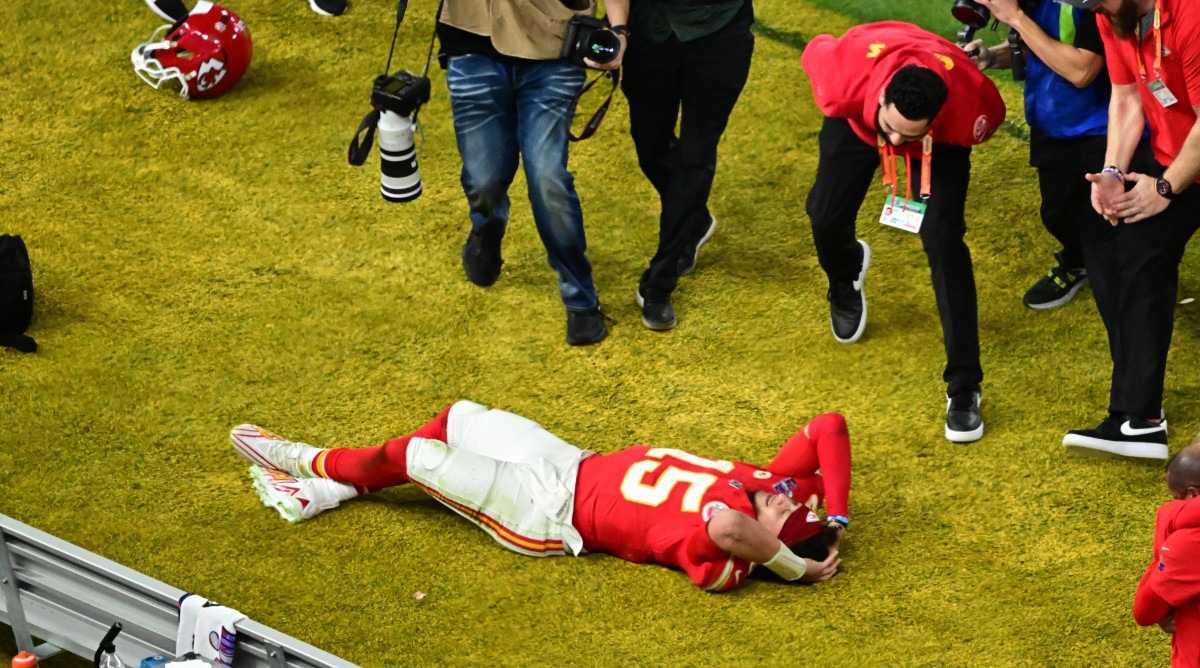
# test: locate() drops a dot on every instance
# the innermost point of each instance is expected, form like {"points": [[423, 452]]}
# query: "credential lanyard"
{"points": [[887, 161], [1157, 45]]}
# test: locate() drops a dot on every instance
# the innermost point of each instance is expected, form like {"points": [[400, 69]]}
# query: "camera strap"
{"points": [[597, 118], [360, 148], [358, 152]]}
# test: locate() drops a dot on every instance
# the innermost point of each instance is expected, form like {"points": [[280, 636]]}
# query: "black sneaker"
{"points": [[1121, 436], [657, 314], [964, 422], [1057, 287], [848, 305], [481, 259], [687, 261], [586, 327], [328, 7]]}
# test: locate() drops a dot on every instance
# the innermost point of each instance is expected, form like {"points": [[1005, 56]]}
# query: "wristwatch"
{"points": [[1164, 188]]}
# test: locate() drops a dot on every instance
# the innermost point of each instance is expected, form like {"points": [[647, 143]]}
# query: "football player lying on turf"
{"points": [[540, 496]]}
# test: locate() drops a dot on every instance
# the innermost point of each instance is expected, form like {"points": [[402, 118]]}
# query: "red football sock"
{"points": [[378, 467], [826, 447]]}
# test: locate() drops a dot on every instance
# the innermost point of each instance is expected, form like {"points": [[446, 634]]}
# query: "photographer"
{"points": [[513, 99], [1066, 105], [685, 59]]}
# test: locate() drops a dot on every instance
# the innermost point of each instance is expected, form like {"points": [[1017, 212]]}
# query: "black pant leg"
{"points": [[709, 74], [1066, 203], [1148, 256], [652, 84], [845, 168], [1100, 241], [942, 233]]}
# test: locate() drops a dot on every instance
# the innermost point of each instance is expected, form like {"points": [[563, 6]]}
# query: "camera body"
{"points": [[590, 38], [400, 93], [397, 98]]}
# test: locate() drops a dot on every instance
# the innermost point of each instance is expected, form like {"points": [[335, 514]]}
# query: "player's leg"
{"points": [[505, 436], [373, 468], [823, 445], [526, 508]]}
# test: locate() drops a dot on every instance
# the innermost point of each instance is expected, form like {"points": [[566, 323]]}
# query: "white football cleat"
{"points": [[270, 451], [298, 499]]}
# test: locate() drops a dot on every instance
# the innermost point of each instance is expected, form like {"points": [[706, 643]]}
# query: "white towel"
{"points": [[206, 629]]}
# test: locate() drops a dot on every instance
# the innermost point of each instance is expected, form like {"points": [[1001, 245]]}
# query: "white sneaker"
{"points": [[262, 448], [298, 499]]}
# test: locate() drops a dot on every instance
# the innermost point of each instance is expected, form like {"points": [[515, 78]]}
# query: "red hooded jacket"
{"points": [[1172, 581], [849, 73]]}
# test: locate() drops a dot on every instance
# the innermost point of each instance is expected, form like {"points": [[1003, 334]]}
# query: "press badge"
{"points": [[1162, 93], [902, 213]]}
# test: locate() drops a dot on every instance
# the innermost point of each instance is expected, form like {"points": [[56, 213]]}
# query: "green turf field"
{"points": [[203, 264]]}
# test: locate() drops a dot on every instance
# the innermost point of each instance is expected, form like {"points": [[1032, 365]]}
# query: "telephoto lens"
{"points": [[399, 180]]}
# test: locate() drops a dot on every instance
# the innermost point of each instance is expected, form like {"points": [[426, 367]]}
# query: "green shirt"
{"points": [[656, 20]]}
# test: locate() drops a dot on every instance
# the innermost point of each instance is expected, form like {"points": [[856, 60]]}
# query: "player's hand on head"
{"points": [[820, 571]]}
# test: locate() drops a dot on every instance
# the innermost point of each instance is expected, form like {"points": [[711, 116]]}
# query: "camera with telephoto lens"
{"points": [[398, 97], [589, 38], [975, 16]]}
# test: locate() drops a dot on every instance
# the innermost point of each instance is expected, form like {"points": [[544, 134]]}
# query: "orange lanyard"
{"points": [[1157, 46], [887, 161]]}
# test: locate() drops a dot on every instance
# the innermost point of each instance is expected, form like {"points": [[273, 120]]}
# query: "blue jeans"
{"points": [[503, 112]]}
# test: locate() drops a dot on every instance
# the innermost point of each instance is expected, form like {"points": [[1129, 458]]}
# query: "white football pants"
{"points": [[506, 474]]}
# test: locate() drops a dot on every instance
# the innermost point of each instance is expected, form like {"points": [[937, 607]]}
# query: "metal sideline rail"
{"points": [[69, 597]]}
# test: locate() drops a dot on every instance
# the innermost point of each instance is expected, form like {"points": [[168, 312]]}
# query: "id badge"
{"points": [[1162, 93], [903, 214]]}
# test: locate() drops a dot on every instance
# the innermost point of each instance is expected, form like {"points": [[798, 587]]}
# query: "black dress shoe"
{"points": [[481, 259], [657, 313], [586, 327]]}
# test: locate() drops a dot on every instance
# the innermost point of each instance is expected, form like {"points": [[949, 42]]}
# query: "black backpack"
{"points": [[16, 294]]}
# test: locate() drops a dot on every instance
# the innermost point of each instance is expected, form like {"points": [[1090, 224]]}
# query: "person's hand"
{"points": [[1141, 202], [615, 62], [1167, 623], [1105, 187], [841, 531], [820, 571], [1005, 11], [979, 53]]}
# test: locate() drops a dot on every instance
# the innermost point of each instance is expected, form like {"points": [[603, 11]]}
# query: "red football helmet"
{"points": [[208, 52]]}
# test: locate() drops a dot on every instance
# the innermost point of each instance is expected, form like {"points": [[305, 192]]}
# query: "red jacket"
{"points": [[1172, 581], [849, 74]]}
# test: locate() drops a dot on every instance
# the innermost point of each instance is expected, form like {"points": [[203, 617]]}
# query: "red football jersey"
{"points": [[849, 73], [647, 504]]}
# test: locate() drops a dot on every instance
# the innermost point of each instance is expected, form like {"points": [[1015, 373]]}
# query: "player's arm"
{"points": [[823, 444], [746, 538], [1148, 607]]}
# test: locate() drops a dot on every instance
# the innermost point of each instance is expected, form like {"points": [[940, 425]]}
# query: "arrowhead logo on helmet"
{"points": [[205, 77], [206, 54]]}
